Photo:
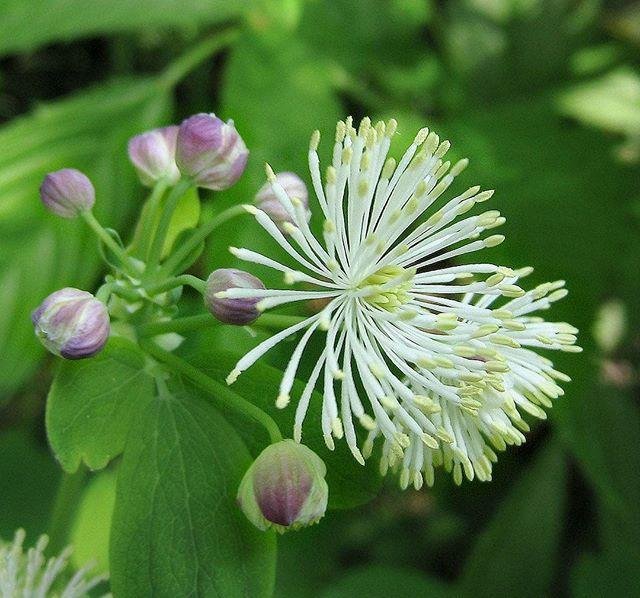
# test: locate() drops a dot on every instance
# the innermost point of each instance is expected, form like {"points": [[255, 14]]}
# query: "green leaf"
{"points": [[176, 528], [380, 581], [515, 554], [611, 102], [350, 484], [91, 528], [92, 403], [41, 252], [27, 25], [29, 482]]}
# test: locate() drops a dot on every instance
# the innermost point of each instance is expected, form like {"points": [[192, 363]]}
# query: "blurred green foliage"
{"points": [[542, 95]]}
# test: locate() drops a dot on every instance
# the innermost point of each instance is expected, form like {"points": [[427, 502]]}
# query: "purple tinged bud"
{"points": [[284, 488], [238, 311], [153, 154], [210, 151], [67, 192], [72, 323], [268, 202]]}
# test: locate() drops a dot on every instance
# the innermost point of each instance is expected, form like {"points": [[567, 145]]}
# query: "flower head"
{"points": [[67, 192], [437, 360], [284, 488], [153, 155], [72, 323], [31, 574], [210, 151]]}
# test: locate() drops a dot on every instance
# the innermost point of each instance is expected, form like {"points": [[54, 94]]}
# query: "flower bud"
{"points": [[210, 151], [153, 154], [239, 311], [284, 488], [67, 192], [267, 201], [72, 323]]}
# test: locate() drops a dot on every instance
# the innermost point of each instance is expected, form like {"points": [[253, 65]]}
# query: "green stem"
{"points": [[193, 323], [218, 390], [152, 207], [198, 237], [108, 240], [64, 508], [186, 279], [155, 253]]}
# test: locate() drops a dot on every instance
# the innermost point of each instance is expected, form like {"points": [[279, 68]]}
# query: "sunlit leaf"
{"points": [[26, 25]]}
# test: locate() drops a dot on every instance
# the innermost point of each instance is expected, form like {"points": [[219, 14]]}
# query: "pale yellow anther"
{"points": [[363, 187], [367, 422], [444, 362], [429, 440], [347, 154], [494, 279], [443, 148], [270, 174], [459, 166], [389, 167], [329, 227], [392, 126], [496, 366], [485, 195], [250, 209], [336, 427], [442, 169], [365, 126], [331, 175], [465, 351], [443, 435], [314, 141], [434, 218], [282, 401], [421, 136], [432, 142], [493, 240]]}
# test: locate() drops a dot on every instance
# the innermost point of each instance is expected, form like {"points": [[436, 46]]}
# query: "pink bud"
{"points": [[67, 192], [72, 323], [284, 488], [153, 155], [210, 152], [232, 310], [267, 200]]}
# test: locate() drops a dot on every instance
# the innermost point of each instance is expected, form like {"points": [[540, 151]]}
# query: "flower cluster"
{"points": [[437, 360]]}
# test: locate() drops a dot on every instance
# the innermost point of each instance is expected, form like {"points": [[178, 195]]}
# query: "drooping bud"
{"points": [[210, 151], [269, 203], [72, 323], [153, 154], [67, 192], [284, 488], [231, 310]]}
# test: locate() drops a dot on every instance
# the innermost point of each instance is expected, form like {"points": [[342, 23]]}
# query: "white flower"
{"points": [[31, 575], [415, 350]]}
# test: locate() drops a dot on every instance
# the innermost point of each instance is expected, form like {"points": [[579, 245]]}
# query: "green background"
{"points": [[543, 96]]}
